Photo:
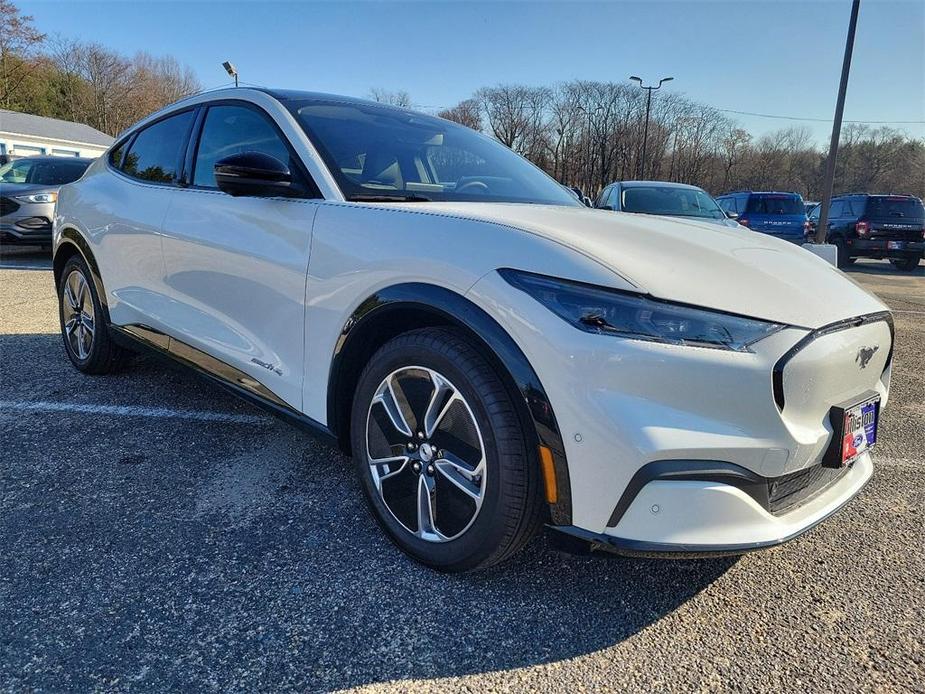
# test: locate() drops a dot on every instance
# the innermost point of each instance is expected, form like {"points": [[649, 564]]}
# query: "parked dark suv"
{"points": [[875, 226], [780, 214]]}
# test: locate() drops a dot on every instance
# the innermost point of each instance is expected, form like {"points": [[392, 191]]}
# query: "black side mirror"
{"points": [[254, 174]]}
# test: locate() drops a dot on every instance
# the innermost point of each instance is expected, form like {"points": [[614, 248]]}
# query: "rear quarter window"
{"points": [[155, 153]]}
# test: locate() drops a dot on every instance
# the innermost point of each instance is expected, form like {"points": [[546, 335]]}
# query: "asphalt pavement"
{"points": [[157, 534]]}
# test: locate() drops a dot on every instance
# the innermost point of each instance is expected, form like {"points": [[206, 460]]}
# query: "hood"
{"points": [[708, 265]]}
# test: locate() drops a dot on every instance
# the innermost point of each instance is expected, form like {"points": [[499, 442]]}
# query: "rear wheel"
{"points": [[907, 264], [83, 322], [441, 455]]}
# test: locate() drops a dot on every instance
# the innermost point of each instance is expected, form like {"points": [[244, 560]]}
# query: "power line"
{"points": [[822, 120]]}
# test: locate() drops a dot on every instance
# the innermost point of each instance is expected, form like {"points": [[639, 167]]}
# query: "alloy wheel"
{"points": [[79, 317], [426, 453]]}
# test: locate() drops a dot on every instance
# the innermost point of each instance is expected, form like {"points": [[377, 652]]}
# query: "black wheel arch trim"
{"points": [[450, 308], [70, 237], [777, 376]]}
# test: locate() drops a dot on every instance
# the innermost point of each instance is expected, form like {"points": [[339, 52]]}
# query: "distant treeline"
{"points": [[588, 134], [82, 82]]}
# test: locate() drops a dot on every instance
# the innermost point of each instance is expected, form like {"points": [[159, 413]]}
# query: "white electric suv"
{"points": [[493, 354]]}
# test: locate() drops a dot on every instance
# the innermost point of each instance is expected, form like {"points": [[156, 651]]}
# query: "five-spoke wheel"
{"points": [[426, 454], [79, 316], [441, 454]]}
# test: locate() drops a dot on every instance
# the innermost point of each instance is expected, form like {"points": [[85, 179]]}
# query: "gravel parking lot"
{"points": [[158, 534]]}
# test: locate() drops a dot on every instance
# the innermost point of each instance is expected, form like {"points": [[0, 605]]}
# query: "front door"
{"points": [[236, 266]]}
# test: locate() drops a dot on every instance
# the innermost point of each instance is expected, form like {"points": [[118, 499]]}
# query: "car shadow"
{"points": [[235, 553], [16, 257], [881, 267]]}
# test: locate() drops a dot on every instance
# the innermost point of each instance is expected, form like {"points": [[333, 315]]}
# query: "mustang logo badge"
{"points": [[865, 354]]}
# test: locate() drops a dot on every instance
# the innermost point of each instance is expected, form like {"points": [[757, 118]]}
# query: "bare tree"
{"points": [[384, 96], [19, 41], [466, 113]]}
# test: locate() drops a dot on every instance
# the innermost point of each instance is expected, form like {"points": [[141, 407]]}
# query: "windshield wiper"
{"points": [[371, 197]]}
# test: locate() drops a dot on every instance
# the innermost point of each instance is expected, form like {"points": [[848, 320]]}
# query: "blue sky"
{"points": [[764, 57]]}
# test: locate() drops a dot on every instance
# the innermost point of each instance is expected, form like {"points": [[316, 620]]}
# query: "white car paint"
{"points": [[267, 285]]}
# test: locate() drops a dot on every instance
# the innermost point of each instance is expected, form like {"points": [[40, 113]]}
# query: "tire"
{"points": [[494, 506], [84, 323], [908, 264]]}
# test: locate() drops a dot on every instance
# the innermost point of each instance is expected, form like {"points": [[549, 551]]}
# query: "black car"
{"points": [[875, 226]]}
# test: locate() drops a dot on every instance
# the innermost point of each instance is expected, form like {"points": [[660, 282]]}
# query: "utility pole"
{"points": [[829, 182], [645, 135]]}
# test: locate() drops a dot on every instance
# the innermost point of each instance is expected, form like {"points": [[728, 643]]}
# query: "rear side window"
{"points": [[775, 204], [234, 130], [156, 151], [895, 207]]}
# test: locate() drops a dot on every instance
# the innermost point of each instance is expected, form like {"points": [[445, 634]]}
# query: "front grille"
{"points": [[8, 206], [797, 488]]}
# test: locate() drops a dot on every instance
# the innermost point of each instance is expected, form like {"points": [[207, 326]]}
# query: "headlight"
{"points": [[37, 197], [610, 312]]}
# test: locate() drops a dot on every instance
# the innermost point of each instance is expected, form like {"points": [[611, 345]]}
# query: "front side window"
{"points": [[234, 130], [671, 201], [381, 153], [157, 150]]}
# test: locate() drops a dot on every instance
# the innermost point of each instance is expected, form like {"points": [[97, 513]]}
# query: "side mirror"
{"points": [[254, 174], [731, 215]]}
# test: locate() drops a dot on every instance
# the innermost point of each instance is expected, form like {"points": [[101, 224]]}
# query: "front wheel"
{"points": [[905, 264], [440, 453]]}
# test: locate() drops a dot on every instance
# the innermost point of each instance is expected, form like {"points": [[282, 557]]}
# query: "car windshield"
{"points": [[775, 204], [382, 153], [895, 207], [670, 200], [42, 171]]}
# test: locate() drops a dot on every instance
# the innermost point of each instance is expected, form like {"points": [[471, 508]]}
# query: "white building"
{"points": [[25, 135]]}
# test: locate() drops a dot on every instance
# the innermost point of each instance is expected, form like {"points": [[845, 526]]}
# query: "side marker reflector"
{"points": [[549, 474]]}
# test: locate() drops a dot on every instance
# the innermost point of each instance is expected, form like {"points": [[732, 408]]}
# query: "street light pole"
{"points": [[829, 182], [645, 133]]}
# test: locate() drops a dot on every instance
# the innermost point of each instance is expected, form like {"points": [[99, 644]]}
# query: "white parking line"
{"points": [[132, 411]]}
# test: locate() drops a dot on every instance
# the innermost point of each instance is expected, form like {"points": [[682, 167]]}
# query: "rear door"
{"points": [[237, 266], [124, 212], [779, 214], [895, 218]]}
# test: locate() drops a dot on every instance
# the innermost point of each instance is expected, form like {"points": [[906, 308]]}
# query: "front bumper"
{"points": [[681, 519], [26, 223], [623, 405]]}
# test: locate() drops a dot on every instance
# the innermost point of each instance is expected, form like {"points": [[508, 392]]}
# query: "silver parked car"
{"points": [[28, 192], [663, 198]]}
